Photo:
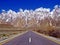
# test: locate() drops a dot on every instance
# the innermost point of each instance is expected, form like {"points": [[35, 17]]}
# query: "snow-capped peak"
{"points": [[37, 14]]}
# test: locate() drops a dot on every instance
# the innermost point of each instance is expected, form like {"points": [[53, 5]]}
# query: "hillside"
{"points": [[6, 25]]}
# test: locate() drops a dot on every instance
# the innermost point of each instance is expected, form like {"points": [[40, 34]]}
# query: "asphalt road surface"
{"points": [[30, 38]]}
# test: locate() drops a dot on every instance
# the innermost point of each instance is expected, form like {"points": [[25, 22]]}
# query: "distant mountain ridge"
{"points": [[28, 18]]}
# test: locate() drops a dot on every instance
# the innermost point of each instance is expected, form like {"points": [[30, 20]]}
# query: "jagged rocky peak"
{"points": [[38, 14]]}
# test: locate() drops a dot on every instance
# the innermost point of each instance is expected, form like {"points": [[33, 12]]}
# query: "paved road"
{"points": [[30, 38]]}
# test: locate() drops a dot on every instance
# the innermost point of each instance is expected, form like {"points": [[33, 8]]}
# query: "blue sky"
{"points": [[27, 4]]}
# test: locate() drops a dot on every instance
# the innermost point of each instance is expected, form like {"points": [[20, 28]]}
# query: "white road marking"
{"points": [[30, 39]]}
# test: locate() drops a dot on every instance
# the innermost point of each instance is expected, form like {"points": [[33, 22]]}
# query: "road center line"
{"points": [[30, 39]]}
